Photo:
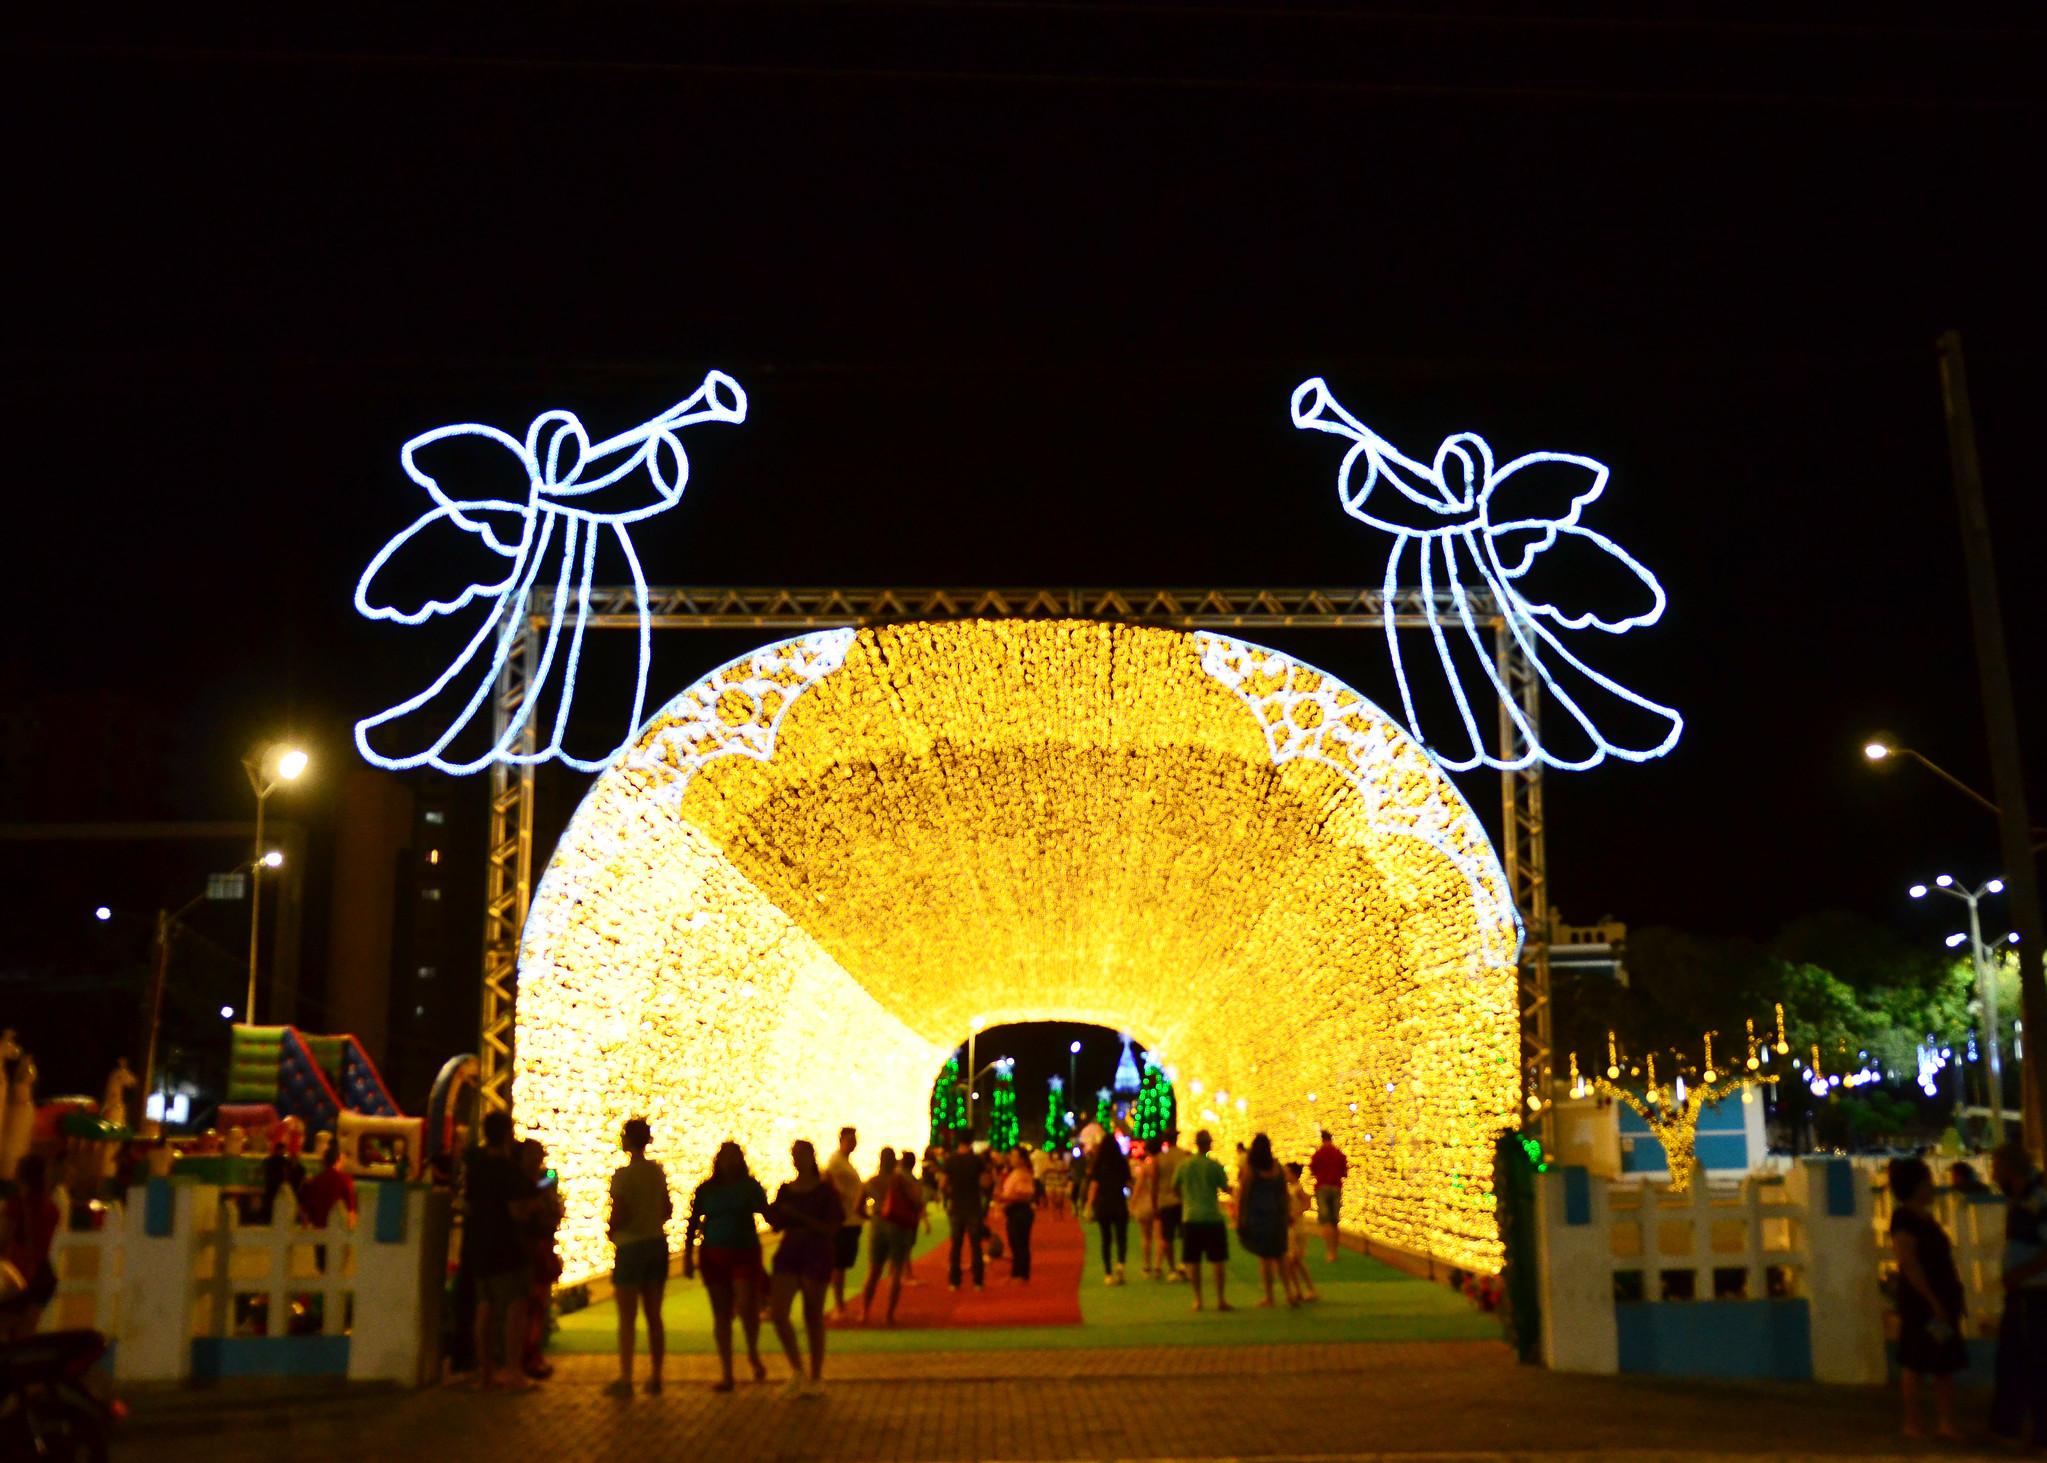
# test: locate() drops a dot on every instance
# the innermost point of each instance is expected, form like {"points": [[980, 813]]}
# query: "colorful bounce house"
{"points": [[278, 1074]]}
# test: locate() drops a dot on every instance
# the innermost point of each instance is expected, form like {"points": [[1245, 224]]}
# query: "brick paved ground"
{"points": [[1285, 1404]]}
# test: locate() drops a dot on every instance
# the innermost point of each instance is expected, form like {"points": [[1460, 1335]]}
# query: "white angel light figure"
{"points": [[1449, 503], [556, 456]]}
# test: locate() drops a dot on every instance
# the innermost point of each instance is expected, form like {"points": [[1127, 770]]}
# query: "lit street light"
{"points": [[268, 770], [1884, 753], [1986, 989]]}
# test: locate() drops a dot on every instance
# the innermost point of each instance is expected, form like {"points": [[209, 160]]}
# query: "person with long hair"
{"points": [[1263, 1218], [1108, 1186], [721, 1216], [1930, 1299], [640, 1211], [1017, 1193], [808, 1213]]}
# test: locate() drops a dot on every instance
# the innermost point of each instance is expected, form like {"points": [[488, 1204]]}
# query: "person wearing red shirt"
{"points": [[1330, 1168], [318, 1195]]}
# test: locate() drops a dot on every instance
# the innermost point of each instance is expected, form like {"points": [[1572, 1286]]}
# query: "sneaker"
{"points": [[813, 1391], [1119, 1274], [794, 1387], [1108, 1278]]}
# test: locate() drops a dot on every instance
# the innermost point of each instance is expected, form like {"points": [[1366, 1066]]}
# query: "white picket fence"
{"points": [[208, 1295]]}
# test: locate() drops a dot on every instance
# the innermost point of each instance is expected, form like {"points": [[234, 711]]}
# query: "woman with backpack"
{"points": [[1264, 1216], [894, 1202]]}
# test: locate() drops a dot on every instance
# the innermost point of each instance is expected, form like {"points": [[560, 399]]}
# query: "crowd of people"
{"points": [[1182, 1203]]}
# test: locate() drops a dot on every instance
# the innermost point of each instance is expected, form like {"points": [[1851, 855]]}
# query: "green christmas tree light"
{"points": [[1058, 1132], [1153, 1112], [948, 1103], [1002, 1134]]}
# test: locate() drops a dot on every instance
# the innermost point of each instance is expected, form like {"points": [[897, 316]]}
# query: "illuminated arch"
{"points": [[801, 881]]}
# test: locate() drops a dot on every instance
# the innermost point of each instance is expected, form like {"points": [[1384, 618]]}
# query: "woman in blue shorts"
{"points": [[640, 1211]]}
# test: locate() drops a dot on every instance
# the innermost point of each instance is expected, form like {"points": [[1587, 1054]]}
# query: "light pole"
{"points": [[973, 1032], [268, 769], [167, 927], [1986, 989], [1073, 1076], [1882, 751]]}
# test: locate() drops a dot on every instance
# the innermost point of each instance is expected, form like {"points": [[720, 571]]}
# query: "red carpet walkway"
{"points": [[1050, 1298]]}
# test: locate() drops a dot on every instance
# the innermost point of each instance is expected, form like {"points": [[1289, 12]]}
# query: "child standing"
{"points": [[1302, 1205]]}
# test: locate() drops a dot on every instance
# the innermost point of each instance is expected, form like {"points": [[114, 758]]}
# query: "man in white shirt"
{"points": [[841, 1175]]}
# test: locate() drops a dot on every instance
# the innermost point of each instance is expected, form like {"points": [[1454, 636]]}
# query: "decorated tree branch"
{"points": [[1671, 1109]]}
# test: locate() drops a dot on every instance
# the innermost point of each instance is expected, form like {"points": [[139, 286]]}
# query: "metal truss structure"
{"points": [[789, 611]]}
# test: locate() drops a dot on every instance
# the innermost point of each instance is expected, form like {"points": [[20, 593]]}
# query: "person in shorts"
{"points": [[640, 1211], [894, 1203], [721, 1215], [845, 1178], [1330, 1169], [1204, 1234]]}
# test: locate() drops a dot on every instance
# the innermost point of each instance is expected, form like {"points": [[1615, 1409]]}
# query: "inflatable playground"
{"points": [[283, 1084]]}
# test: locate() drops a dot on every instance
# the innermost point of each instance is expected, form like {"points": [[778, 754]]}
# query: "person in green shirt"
{"points": [[1203, 1233]]}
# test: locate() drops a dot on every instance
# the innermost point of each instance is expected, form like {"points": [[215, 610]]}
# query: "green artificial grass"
{"points": [[1362, 1300]]}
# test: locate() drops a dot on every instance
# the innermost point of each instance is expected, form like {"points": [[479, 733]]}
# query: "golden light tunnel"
{"points": [[785, 902]]}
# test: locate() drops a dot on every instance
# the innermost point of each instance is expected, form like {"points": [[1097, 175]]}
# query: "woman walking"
{"points": [[1930, 1299], [1018, 1196], [808, 1213], [640, 1211], [1108, 1201], [1264, 1217], [721, 1216]]}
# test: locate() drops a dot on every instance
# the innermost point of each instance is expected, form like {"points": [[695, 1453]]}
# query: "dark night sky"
{"points": [[1019, 293]]}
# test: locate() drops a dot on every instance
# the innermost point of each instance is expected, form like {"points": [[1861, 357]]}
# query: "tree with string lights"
{"points": [[1152, 1114], [948, 1103], [1057, 1130], [1002, 1129]]}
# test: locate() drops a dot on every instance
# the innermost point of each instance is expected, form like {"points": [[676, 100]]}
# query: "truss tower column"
{"points": [[508, 886], [1522, 849]]}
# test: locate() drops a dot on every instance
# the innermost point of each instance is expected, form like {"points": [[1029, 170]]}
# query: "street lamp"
{"points": [[1883, 752], [1073, 1074], [268, 769], [1986, 988], [973, 1033], [167, 927]]}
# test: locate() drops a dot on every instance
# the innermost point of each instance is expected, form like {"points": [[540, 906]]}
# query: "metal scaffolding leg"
{"points": [[1528, 876], [508, 888]]}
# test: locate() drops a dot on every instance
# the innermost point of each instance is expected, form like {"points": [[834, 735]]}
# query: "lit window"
{"points": [[433, 815], [227, 886], [426, 972], [433, 855], [433, 895]]}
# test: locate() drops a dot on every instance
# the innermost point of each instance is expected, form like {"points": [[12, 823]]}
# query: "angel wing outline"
{"points": [[561, 465], [1450, 501]]}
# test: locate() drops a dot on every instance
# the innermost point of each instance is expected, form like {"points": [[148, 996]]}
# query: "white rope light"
{"points": [[1458, 534], [555, 455]]}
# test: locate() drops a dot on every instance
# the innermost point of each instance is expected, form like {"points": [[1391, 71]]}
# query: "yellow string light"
{"points": [[1025, 821]]}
